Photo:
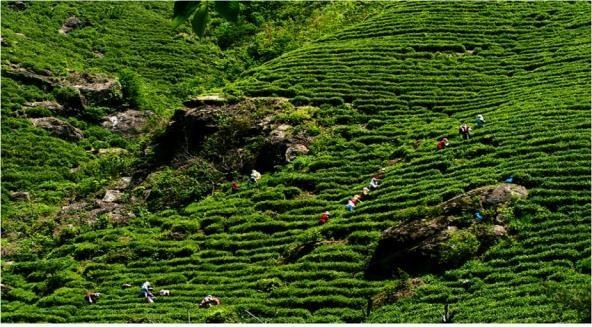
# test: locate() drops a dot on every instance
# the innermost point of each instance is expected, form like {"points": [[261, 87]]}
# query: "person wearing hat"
{"points": [[145, 291], [324, 217], [464, 131], [442, 144], [480, 121]]}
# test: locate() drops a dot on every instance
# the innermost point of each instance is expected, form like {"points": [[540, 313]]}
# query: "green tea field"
{"points": [[377, 93]]}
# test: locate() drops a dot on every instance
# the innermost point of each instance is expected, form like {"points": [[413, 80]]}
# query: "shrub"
{"points": [[132, 88], [222, 315], [300, 100], [68, 97], [459, 247], [269, 284]]}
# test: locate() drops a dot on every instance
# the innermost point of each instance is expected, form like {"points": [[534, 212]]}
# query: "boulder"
{"points": [[99, 90], [58, 128], [122, 183], [503, 193], [499, 230], [71, 23], [129, 122], [112, 151], [418, 246], [295, 150], [186, 131], [214, 99], [53, 106], [484, 198], [113, 196], [18, 5], [26, 76], [20, 196]]}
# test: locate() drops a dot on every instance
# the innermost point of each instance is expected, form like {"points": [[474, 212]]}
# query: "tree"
{"points": [[197, 12]]}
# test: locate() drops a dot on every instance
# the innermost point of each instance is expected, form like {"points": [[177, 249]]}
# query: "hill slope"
{"points": [[386, 90]]}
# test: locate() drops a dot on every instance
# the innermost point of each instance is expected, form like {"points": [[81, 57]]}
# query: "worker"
{"points": [[324, 217], [380, 174], [447, 316], [365, 192], [478, 216], [464, 131], [145, 291], [255, 176], [480, 121], [235, 187], [92, 297], [509, 179], [209, 301], [442, 144], [350, 205], [373, 183]]}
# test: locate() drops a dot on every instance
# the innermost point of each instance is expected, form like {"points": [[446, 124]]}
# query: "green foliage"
{"points": [[170, 188], [183, 10], [222, 315], [132, 88], [461, 246], [68, 97], [200, 19]]}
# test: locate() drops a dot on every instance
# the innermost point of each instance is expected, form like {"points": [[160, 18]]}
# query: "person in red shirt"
{"points": [[442, 144], [235, 187], [324, 217]]}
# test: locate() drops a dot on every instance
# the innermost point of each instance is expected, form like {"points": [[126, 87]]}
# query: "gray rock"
{"points": [[58, 128], [18, 5], [92, 90], [484, 197], [294, 150], [51, 105], [97, 90], [112, 151], [71, 23], [129, 122], [20, 196], [113, 196], [123, 183], [499, 230], [279, 134], [214, 99]]}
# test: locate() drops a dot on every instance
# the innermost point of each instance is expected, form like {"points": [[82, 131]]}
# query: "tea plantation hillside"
{"points": [[377, 94]]}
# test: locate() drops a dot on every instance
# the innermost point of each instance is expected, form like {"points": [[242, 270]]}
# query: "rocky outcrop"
{"points": [[87, 89], [58, 128], [228, 132], [433, 244], [26, 76], [484, 198], [129, 123], [99, 90]]}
